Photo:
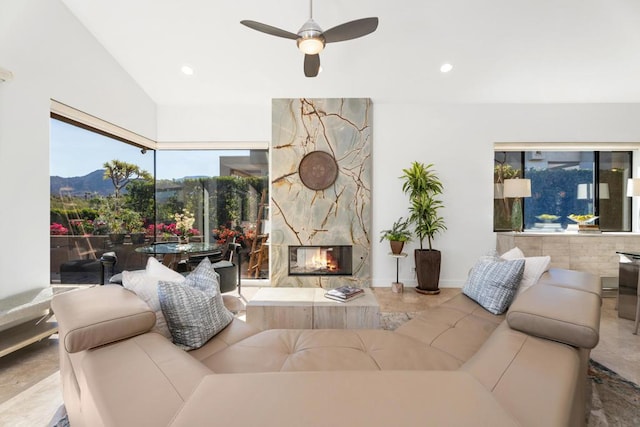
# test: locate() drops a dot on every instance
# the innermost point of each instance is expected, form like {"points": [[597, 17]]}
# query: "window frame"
{"points": [[595, 148]]}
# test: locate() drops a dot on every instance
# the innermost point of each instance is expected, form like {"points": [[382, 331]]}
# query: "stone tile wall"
{"points": [[337, 215], [593, 253]]}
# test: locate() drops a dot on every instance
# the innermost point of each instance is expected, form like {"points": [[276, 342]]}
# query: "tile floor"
{"points": [[30, 386]]}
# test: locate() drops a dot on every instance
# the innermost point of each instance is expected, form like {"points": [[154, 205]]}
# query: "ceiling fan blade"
{"points": [[311, 65], [351, 30], [264, 28]]}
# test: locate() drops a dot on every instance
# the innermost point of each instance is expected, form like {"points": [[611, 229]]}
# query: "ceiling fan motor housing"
{"points": [[310, 40]]}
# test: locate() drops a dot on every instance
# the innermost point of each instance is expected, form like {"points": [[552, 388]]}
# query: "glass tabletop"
{"points": [[178, 248]]}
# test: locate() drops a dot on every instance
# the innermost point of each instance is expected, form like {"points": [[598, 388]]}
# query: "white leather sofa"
{"points": [[454, 365]]}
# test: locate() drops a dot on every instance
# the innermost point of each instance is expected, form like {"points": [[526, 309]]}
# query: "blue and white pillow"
{"points": [[194, 309], [493, 284]]}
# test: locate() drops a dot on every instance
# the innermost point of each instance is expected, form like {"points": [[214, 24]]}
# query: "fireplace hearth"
{"points": [[336, 260]]}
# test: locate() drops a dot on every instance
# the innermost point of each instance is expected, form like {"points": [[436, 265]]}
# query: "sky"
{"points": [[77, 152]]}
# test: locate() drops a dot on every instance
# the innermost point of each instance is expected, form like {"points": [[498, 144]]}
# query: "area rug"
{"points": [[60, 418], [615, 401]]}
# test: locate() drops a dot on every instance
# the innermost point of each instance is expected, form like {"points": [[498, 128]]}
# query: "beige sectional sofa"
{"points": [[454, 365]]}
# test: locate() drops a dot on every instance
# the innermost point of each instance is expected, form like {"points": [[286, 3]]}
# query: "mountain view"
{"points": [[91, 183]]}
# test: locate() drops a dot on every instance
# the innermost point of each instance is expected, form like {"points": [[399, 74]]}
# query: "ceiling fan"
{"points": [[311, 39]]}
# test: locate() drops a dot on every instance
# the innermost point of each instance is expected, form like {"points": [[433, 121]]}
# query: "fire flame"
{"points": [[321, 259]]}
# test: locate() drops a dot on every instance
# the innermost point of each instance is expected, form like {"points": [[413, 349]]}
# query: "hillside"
{"points": [[92, 183]]}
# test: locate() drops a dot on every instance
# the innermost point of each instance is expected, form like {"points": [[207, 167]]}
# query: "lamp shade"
{"points": [[585, 191], [633, 187], [310, 45], [517, 188]]}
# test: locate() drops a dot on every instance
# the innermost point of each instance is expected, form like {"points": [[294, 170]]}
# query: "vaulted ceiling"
{"points": [[501, 50]]}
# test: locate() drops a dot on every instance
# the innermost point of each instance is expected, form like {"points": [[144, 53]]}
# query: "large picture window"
{"points": [[565, 186], [101, 200], [109, 194]]}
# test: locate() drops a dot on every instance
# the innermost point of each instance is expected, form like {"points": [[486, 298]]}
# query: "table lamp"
{"points": [[585, 191], [633, 187], [517, 189]]}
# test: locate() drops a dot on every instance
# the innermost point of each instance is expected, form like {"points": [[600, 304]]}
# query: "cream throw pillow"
{"points": [[145, 284], [534, 267]]}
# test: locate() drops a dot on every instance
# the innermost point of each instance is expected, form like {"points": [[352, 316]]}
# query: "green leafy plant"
{"points": [[423, 185], [131, 221], [399, 232]]}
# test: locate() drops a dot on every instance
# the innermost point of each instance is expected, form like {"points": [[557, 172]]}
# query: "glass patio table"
{"points": [[171, 252]]}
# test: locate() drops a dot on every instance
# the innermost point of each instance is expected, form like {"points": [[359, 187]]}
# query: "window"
{"points": [[222, 191], [565, 185], [101, 200], [113, 191]]}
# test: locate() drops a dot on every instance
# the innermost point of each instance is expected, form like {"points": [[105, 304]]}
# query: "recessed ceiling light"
{"points": [[186, 70], [445, 68]]}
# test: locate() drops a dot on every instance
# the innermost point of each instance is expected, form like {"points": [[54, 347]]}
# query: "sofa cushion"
{"points": [[458, 327], [276, 350], [194, 309], [355, 398], [145, 284], [142, 381], [493, 284], [572, 279], [558, 313], [532, 378], [235, 331], [100, 315]]}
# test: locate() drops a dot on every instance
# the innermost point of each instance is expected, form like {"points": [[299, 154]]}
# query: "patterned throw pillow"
{"points": [[145, 284], [194, 309], [493, 284], [204, 278]]}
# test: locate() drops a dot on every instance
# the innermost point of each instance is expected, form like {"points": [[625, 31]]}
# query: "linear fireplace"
{"points": [[333, 260]]}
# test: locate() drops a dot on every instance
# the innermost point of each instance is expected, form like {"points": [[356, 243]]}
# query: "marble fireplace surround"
{"points": [[339, 214]]}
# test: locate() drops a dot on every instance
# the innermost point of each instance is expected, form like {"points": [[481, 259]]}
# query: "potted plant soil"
{"points": [[397, 235], [423, 186]]}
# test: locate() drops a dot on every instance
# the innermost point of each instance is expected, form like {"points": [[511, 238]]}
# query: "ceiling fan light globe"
{"points": [[310, 45]]}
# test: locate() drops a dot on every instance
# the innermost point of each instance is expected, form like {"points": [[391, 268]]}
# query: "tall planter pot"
{"points": [[428, 270]]}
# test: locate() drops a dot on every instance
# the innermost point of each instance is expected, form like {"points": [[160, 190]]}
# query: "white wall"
{"points": [[240, 123], [458, 139], [52, 57]]}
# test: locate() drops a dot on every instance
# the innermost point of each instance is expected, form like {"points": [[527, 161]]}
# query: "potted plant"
{"points": [[423, 186], [133, 225], [112, 222], [397, 235]]}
